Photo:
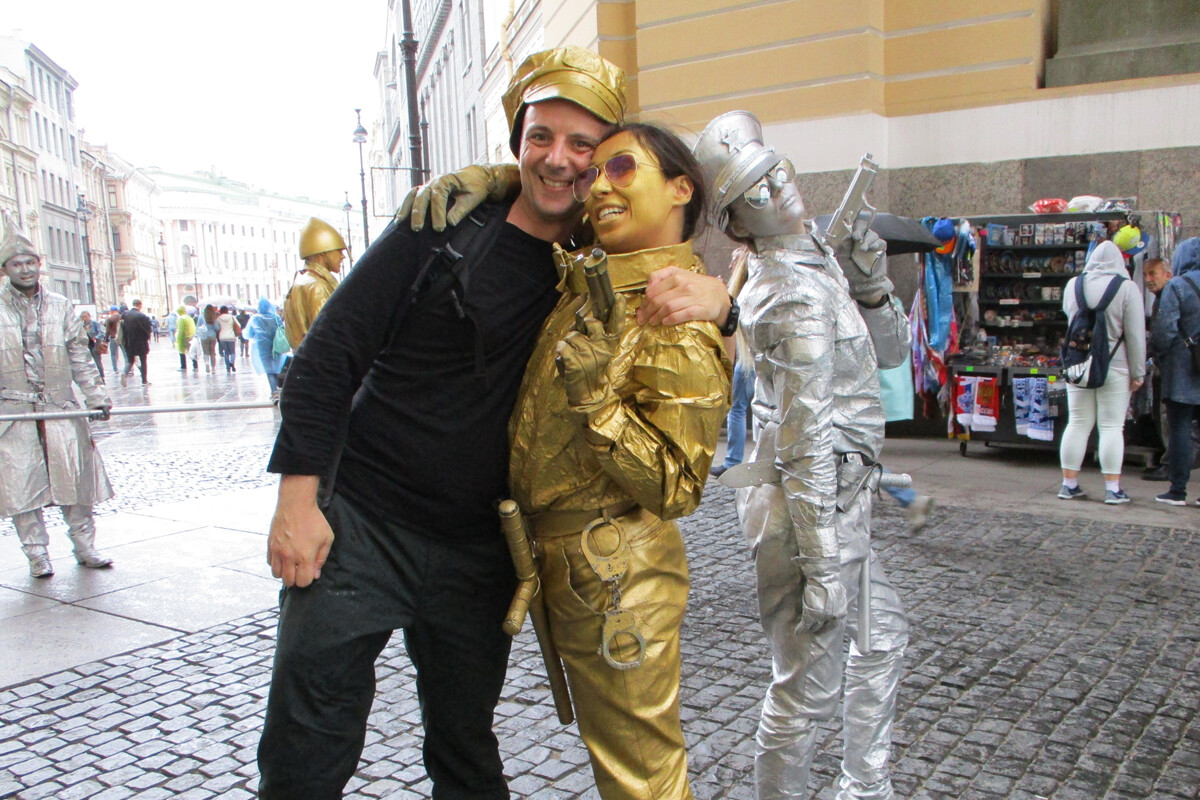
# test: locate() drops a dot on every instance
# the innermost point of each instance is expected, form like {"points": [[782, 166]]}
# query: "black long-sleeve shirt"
{"points": [[427, 438]]}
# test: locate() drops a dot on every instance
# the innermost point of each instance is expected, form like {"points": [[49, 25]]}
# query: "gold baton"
{"points": [[529, 598], [522, 556]]}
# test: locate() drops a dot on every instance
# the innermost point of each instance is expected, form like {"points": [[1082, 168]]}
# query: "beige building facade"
{"points": [[54, 139], [131, 196], [96, 226], [18, 160], [952, 99]]}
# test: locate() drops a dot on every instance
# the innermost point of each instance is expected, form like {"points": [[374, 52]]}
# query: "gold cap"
{"points": [[13, 241], [565, 73], [319, 236]]}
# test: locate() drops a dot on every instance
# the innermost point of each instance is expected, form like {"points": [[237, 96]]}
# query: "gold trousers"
{"points": [[629, 719]]}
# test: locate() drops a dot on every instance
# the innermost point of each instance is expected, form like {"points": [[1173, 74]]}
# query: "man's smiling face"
{"points": [[558, 140]]}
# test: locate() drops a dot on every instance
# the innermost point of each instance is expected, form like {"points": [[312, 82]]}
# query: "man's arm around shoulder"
{"points": [[675, 295]]}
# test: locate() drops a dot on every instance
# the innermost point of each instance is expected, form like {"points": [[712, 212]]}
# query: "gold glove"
{"points": [[469, 187], [584, 356]]}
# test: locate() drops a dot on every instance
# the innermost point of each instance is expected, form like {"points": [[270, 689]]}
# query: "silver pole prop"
{"points": [[91, 413], [896, 480], [864, 606]]}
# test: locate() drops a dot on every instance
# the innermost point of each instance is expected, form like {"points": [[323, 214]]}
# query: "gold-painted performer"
{"points": [[613, 433], [323, 251]]}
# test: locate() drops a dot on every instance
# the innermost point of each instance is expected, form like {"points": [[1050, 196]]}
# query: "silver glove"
{"points": [[864, 263]]}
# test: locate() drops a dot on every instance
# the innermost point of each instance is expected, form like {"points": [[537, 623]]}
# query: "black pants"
{"points": [[449, 597], [1180, 417], [140, 358]]}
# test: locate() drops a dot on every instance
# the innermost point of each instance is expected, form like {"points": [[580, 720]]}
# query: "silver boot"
{"points": [[31, 530], [40, 566], [82, 530], [781, 769]]}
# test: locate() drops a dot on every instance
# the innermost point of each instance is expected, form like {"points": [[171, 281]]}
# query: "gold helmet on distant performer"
{"points": [[319, 236], [564, 73]]}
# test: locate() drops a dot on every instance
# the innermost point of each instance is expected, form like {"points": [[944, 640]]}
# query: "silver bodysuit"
{"points": [[816, 357]]}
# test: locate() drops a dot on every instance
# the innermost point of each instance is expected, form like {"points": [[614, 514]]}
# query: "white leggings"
{"points": [[1087, 407]]}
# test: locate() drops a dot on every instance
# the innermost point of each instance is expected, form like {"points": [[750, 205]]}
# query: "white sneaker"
{"points": [[918, 512]]}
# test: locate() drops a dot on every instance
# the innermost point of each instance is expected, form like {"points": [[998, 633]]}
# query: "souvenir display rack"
{"points": [[1025, 261]]}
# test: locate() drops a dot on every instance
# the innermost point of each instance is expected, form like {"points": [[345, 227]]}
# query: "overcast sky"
{"points": [[264, 90]]}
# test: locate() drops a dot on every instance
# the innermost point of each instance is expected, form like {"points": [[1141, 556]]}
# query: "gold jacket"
{"points": [[656, 444], [304, 301]]}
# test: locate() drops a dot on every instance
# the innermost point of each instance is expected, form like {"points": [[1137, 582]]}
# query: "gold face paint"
{"points": [[646, 212]]}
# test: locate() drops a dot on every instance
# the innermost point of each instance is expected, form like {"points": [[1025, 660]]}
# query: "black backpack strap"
{"points": [[449, 263], [469, 240]]}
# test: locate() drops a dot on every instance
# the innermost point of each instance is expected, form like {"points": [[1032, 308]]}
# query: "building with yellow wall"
{"points": [[951, 98]]}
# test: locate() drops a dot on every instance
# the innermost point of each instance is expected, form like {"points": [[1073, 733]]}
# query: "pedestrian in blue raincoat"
{"points": [[260, 333]]}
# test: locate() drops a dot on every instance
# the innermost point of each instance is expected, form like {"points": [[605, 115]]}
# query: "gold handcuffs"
{"points": [[610, 568]]}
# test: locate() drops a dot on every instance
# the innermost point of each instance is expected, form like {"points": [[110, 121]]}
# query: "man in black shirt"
{"points": [[420, 400]]}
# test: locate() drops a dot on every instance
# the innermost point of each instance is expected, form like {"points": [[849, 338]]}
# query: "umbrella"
{"points": [[217, 301], [902, 234]]}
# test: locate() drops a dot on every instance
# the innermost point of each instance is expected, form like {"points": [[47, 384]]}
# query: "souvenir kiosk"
{"points": [[1005, 381]]}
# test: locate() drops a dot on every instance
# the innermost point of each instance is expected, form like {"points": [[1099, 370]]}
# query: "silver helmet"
{"points": [[732, 154]]}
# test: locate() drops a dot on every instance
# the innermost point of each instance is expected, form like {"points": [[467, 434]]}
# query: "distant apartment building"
{"points": [[223, 239], [18, 172], [131, 198], [96, 225], [55, 140], [451, 47]]}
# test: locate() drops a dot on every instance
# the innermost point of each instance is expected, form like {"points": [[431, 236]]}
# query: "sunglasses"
{"points": [[776, 178], [619, 170]]}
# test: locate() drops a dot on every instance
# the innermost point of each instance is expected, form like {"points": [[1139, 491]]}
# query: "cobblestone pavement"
{"points": [[1047, 660]]}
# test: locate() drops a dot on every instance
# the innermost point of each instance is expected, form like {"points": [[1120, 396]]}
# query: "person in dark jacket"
{"points": [[136, 337], [1177, 321]]}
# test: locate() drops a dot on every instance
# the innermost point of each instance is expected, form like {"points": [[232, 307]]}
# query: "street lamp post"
{"points": [[162, 248], [349, 239], [189, 260], [416, 135], [360, 138], [85, 214]]}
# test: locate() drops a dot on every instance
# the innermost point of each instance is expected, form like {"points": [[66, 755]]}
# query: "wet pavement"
{"points": [[1054, 653]]}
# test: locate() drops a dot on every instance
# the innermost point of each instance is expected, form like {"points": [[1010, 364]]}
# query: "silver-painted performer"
{"points": [[811, 331], [43, 350]]}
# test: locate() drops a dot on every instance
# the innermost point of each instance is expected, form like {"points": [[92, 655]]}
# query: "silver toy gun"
{"points": [[849, 221]]}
